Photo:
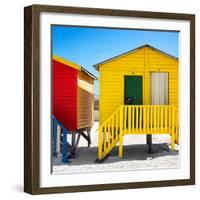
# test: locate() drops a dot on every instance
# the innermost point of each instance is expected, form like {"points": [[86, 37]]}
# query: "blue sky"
{"points": [[87, 46]]}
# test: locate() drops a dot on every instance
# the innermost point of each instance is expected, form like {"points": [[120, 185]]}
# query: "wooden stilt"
{"points": [[55, 124], [73, 143], [121, 134], [149, 142], [172, 141], [64, 147], [78, 138], [54, 137], [58, 139], [89, 138], [121, 146]]}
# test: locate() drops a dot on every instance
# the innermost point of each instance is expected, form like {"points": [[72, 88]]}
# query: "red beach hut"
{"points": [[73, 98]]}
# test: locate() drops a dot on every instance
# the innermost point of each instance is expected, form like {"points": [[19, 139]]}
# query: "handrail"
{"points": [[113, 113], [137, 119], [109, 133]]}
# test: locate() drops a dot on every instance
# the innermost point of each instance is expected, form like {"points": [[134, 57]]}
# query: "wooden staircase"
{"points": [[137, 119]]}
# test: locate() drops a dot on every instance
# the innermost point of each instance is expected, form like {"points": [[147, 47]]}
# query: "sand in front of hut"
{"points": [[135, 156]]}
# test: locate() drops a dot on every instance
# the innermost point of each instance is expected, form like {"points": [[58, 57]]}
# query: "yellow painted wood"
{"points": [[129, 119], [133, 119], [177, 125], [137, 119], [173, 130], [100, 143], [173, 141], [154, 115], [121, 133], [158, 116], [166, 117], [125, 118], [173, 121], [142, 62], [170, 118], [106, 129], [117, 125], [148, 123], [144, 124], [104, 137], [151, 118], [140, 110], [112, 129], [108, 141], [161, 119]]}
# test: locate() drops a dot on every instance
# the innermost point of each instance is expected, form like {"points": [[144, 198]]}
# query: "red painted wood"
{"points": [[65, 94]]}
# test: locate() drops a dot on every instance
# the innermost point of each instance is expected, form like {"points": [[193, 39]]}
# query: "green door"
{"points": [[133, 90]]}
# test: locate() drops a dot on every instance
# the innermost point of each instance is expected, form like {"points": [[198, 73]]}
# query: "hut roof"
{"points": [[73, 65], [96, 66]]}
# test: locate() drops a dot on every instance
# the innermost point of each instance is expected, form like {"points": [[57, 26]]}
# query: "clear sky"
{"points": [[87, 46]]}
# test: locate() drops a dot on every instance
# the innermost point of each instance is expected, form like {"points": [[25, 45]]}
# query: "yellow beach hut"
{"points": [[138, 94]]}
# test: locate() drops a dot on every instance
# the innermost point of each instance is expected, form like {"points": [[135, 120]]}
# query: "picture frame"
{"points": [[32, 95]]}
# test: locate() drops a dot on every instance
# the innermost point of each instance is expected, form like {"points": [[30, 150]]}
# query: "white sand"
{"points": [[135, 156]]}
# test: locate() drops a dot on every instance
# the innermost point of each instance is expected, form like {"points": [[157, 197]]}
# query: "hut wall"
{"points": [[85, 100], [65, 94], [141, 62]]}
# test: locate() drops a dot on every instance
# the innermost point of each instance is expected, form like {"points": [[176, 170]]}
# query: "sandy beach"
{"points": [[135, 156]]}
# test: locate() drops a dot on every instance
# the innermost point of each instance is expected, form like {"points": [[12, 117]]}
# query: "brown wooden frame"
{"points": [[32, 106]]}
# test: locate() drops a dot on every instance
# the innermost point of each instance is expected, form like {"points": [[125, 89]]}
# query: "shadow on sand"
{"points": [[87, 156]]}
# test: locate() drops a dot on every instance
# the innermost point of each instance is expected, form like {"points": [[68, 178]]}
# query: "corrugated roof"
{"points": [[96, 66]]}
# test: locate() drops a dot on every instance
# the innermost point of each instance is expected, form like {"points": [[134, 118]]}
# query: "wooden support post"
{"points": [[58, 139], [121, 145], [54, 125], [121, 133], [173, 130], [149, 142], [173, 141], [89, 138], [64, 147], [78, 138], [100, 153], [144, 119], [73, 144]]}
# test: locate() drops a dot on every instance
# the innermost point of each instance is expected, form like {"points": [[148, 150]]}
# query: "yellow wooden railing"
{"points": [[140, 119]]}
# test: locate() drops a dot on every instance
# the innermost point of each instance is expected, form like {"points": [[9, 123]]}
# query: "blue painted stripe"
{"points": [[54, 138], [64, 139], [64, 147]]}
